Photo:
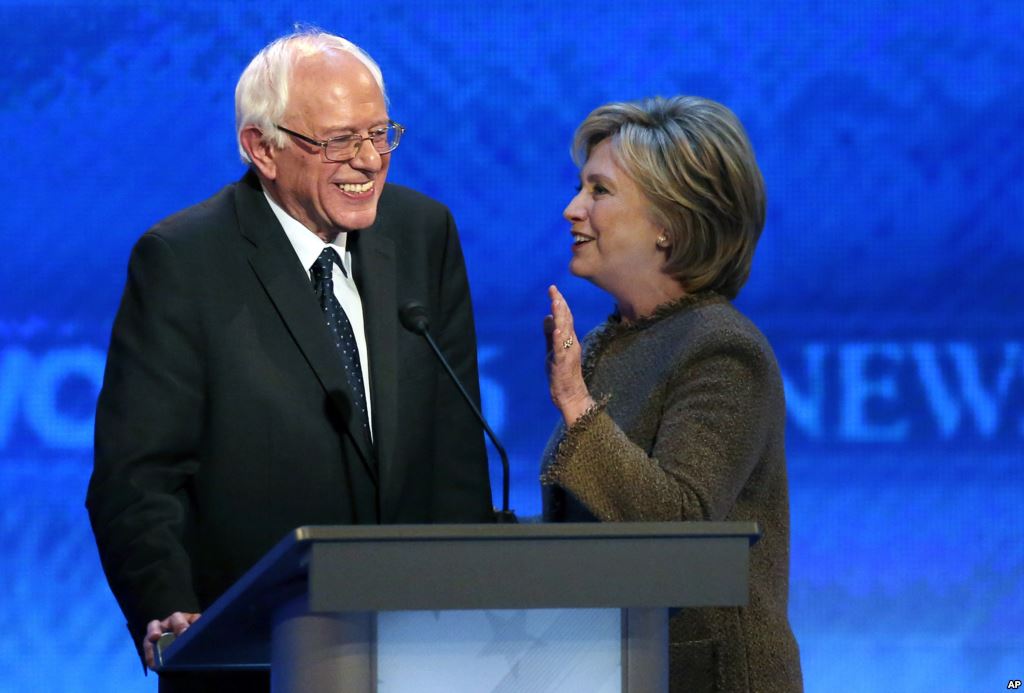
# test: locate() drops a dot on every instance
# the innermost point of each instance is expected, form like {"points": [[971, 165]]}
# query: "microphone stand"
{"points": [[414, 318]]}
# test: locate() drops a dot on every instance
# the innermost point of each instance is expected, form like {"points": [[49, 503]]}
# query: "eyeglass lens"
{"points": [[383, 139]]}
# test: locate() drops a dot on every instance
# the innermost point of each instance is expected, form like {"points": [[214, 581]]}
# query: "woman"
{"points": [[673, 409]]}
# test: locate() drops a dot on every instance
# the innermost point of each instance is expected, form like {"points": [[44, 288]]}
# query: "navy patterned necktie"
{"points": [[341, 331]]}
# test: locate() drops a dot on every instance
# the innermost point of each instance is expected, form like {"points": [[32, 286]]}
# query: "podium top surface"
{"points": [[452, 567], [529, 531]]}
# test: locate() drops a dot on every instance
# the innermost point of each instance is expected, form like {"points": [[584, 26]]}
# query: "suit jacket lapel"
{"points": [[374, 265], [286, 283]]}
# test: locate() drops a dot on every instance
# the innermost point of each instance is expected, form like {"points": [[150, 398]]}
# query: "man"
{"points": [[258, 378]]}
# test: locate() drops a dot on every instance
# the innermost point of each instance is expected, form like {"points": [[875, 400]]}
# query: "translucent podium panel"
{"points": [[537, 650]]}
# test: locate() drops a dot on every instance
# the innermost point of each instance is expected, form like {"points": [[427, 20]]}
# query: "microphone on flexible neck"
{"points": [[415, 318]]}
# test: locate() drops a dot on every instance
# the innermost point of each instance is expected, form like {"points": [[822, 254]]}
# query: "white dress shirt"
{"points": [[308, 247]]}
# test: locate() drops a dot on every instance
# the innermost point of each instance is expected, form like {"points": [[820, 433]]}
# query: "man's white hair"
{"points": [[261, 95]]}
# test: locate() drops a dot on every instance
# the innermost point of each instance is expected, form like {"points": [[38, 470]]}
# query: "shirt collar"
{"points": [[307, 244]]}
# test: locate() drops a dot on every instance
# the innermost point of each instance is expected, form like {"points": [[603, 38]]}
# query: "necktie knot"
{"points": [[323, 269]]}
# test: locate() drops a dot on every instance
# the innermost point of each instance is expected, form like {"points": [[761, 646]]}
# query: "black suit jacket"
{"points": [[224, 417]]}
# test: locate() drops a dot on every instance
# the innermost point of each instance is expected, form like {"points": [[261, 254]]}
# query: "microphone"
{"points": [[415, 319]]}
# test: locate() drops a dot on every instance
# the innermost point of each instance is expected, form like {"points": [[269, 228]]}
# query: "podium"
{"points": [[312, 608]]}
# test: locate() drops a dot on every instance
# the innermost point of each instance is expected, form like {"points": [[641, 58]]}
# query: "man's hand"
{"points": [[176, 623]]}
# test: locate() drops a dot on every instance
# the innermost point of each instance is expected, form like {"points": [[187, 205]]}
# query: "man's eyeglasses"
{"points": [[340, 149]]}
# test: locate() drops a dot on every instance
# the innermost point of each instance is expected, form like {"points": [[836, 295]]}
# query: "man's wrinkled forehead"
{"points": [[331, 61], [334, 91]]}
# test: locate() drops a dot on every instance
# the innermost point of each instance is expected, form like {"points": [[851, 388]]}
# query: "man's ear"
{"points": [[262, 152]]}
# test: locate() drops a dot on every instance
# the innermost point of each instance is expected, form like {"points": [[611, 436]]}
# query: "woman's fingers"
{"points": [[563, 335], [565, 374], [565, 315]]}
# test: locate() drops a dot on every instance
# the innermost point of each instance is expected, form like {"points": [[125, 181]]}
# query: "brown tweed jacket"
{"points": [[690, 426]]}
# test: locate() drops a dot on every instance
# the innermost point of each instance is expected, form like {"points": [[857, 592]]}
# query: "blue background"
{"points": [[889, 277]]}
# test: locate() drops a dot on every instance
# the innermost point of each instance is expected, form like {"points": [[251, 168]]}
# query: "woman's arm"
{"points": [[719, 406]]}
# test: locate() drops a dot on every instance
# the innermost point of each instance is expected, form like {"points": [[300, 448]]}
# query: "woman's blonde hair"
{"points": [[692, 159]]}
